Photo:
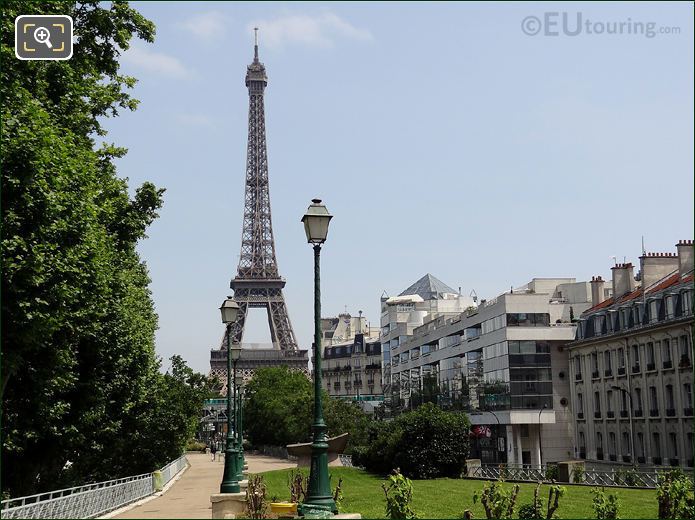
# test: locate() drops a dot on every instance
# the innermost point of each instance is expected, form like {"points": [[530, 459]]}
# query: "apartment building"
{"points": [[502, 361], [631, 366]]}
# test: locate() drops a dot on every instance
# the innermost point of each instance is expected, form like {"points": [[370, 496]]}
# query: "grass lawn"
{"points": [[447, 498]]}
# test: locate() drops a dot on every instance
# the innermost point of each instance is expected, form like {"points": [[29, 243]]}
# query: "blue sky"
{"points": [[441, 136]]}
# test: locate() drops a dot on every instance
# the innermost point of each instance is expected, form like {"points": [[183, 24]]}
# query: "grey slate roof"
{"points": [[429, 288]]}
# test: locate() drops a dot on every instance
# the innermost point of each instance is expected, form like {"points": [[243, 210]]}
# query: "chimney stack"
{"points": [[655, 266], [685, 256], [623, 279], [597, 292]]}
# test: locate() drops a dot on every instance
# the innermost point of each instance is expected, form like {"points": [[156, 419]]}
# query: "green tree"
{"points": [[280, 410], [78, 323]]}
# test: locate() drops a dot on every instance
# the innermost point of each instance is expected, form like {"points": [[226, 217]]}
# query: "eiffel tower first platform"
{"points": [[258, 282]]}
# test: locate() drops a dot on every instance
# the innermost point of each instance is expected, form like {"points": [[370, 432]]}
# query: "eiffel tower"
{"points": [[258, 283]]}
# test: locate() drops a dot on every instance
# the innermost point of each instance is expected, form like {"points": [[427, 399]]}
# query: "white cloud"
{"points": [[155, 62], [195, 120], [209, 27], [319, 30]]}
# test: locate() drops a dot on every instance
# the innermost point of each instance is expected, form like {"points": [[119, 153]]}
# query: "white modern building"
{"points": [[502, 361]]}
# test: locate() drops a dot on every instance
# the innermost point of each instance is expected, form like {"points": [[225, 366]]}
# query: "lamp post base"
{"points": [[228, 505], [230, 481]]}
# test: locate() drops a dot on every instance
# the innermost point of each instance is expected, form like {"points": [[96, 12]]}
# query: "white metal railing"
{"points": [[91, 500]]}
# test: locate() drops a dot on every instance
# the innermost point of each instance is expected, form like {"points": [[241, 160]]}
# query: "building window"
{"points": [[612, 445], [635, 358], [651, 362], [607, 362], [582, 445], [640, 445], [689, 448], [687, 302], [609, 402], [670, 306], [653, 402], [638, 401], [688, 398], [580, 403], [626, 443], [621, 358], [528, 319], [684, 351], [623, 403], [673, 445], [656, 445], [670, 403], [577, 367], [599, 443], [653, 311], [594, 364], [666, 354], [597, 404]]}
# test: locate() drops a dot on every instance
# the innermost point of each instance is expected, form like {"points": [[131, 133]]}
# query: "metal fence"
{"points": [[642, 477], [89, 501]]}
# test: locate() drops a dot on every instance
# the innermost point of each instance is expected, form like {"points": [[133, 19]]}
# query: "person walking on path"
{"points": [[213, 451]]}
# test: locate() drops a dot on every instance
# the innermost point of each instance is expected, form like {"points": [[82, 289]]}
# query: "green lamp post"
{"points": [[319, 494], [230, 482], [238, 387]]}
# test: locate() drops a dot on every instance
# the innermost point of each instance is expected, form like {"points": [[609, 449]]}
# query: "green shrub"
{"points": [[497, 501], [627, 477], [425, 443], [551, 472], [674, 493], [605, 506], [535, 509], [399, 496], [578, 473], [194, 445]]}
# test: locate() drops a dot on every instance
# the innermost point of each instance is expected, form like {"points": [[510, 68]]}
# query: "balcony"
{"points": [[689, 463], [357, 382], [653, 413], [688, 412], [673, 462], [580, 415], [582, 453], [635, 369], [641, 460], [627, 458], [594, 374], [670, 412], [613, 457], [623, 413], [656, 461], [667, 365], [599, 455], [578, 376], [638, 413], [684, 362], [608, 372], [621, 371], [336, 386], [651, 366], [610, 414], [597, 415]]}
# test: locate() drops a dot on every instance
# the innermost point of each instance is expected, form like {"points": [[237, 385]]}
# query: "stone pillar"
{"points": [[227, 505], [511, 458], [536, 447], [519, 455]]}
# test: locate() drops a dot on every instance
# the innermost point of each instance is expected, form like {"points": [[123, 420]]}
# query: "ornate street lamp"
{"points": [[230, 483], [319, 494]]}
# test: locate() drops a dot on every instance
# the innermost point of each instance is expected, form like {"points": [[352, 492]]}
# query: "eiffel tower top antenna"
{"points": [[255, 44]]}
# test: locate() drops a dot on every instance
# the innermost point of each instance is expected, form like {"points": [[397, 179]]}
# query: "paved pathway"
{"points": [[189, 497]]}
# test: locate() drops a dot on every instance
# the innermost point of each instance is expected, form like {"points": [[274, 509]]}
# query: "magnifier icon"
{"points": [[42, 35]]}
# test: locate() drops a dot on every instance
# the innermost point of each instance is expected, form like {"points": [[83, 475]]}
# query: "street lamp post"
{"points": [[238, 382], [319, 494], [632, 431], [230, 482], [540, 445]]}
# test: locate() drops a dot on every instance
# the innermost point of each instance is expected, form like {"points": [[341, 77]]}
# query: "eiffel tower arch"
{"points": [[258, 283]]}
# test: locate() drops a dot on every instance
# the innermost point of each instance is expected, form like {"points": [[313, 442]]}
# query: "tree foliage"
{"points": [[425, 443], [280, 409], [80, 380]]}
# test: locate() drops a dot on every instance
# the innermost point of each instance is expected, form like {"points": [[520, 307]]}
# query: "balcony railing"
{"points": [[651, 366], [667, 364], [688, 412], [623, 413], [684, 362], [610, 414], [608, 372], [670, 412], [613, 457], [597, 415], [638, 413], [594, 374], [627, 458], [653, 413], [635, 369], [599, 455], [621, 371], [580, 415], [656, 461], [641, 460], [674, 462], [578, 376]]}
